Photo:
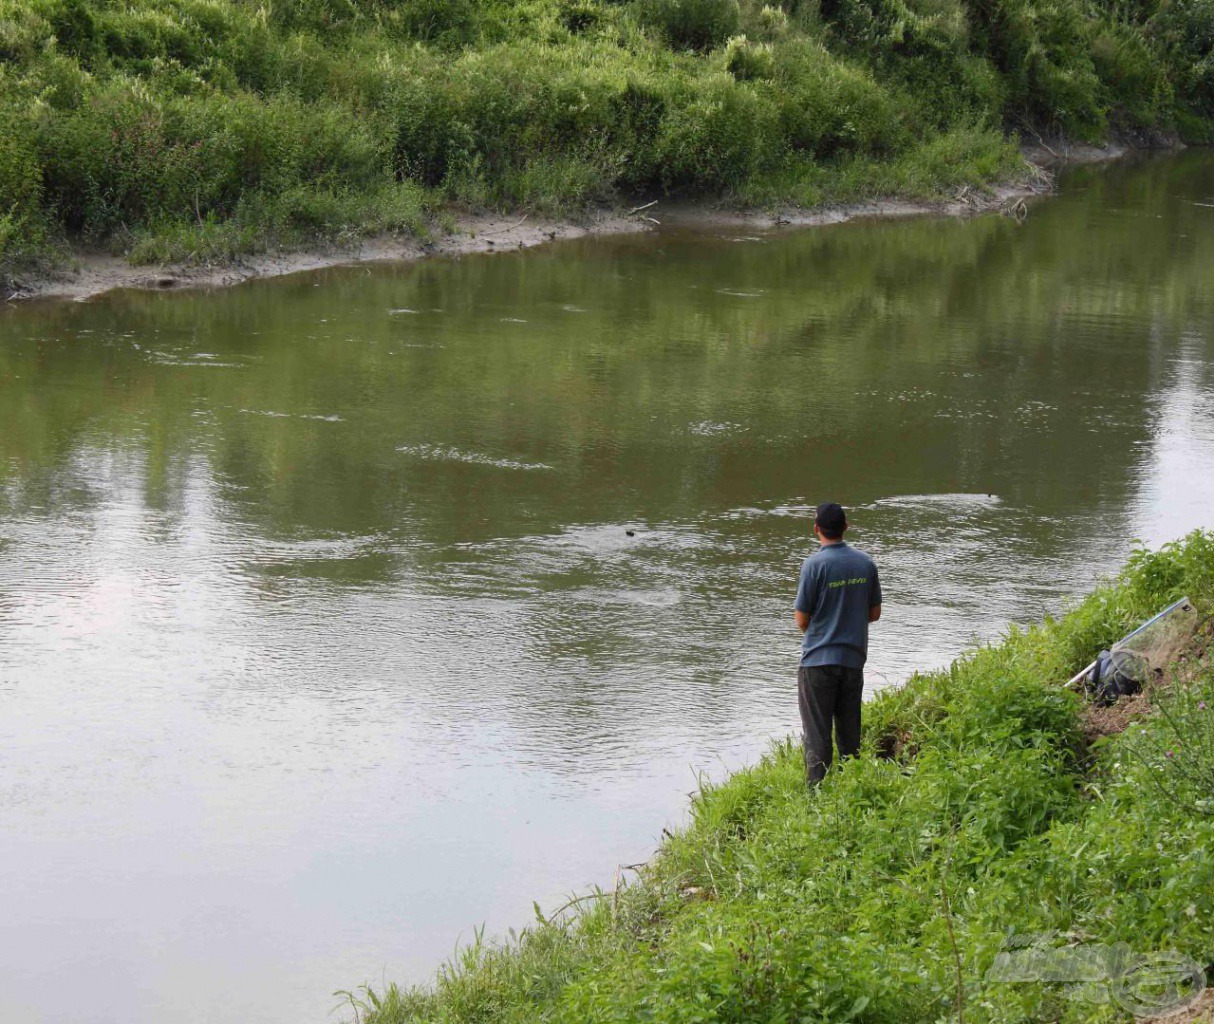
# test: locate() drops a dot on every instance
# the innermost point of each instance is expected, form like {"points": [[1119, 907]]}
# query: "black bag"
{"points": [[1115, 674]]}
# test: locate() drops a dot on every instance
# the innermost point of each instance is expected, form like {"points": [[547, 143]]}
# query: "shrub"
{"points": [[446, 22], [1042, 50], [579, 15], [127, 156], [22, 226], [20, 171], [1134, 83], [1184, 31], [746, 60], [828, 107], [716, 139], [24, 31], [75, 29], [694, 24]]}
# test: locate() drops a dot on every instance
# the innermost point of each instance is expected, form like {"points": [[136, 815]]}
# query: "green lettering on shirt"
{"points": [[847, 583]]}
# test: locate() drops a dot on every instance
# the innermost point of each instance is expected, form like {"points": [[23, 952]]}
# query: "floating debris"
{"points": [[294, 415], [441, 453]]}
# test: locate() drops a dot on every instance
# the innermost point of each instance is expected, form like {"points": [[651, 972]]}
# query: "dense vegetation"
{"points": [[206, 128], [887, 894]]}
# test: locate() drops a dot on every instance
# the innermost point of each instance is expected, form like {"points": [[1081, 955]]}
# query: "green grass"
{"points": [[173, 127], [886, 894]]}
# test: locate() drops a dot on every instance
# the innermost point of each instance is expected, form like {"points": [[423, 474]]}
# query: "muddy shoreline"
{"points": [[94, 274]]}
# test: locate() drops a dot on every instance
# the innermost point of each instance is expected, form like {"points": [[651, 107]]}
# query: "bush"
{"points": [[446, 22], [20, 171], [127, 156], [1134, 83], [694, 24], [1042, 50], [22, 227], [1184, 31], [747, 61], [715, 140], [828, 107], [579, 15]]}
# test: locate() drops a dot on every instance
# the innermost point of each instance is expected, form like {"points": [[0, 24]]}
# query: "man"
{"points": [[838, 596]]}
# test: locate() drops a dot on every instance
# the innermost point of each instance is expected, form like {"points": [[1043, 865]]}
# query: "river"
{"points": [[344, 612]]}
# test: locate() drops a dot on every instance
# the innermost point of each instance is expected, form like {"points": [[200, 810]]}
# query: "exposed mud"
{"points": [[94, 274]]}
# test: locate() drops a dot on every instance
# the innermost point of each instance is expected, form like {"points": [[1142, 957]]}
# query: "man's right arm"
{"points": [[806, 597]]}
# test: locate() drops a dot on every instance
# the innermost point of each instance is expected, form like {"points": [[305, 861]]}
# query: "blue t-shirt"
{"points": [[838, 586]]}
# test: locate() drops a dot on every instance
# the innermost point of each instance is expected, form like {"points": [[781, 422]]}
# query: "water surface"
{"points": [[323, 636]]}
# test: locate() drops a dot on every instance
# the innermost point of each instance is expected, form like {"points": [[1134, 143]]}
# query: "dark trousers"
{"points": [[829, 695]]}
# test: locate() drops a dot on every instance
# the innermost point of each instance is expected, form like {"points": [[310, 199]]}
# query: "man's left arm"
{"points": [[874, 597]]}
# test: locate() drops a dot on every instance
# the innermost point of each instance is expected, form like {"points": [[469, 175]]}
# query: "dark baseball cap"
{"points": [[831, 518]]}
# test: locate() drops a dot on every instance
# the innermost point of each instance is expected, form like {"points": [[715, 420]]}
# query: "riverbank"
{"points": [[89, 274], [987, 814]]}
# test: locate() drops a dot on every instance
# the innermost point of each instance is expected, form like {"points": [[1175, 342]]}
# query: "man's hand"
{"points": [[874, 613], [802, 621]]}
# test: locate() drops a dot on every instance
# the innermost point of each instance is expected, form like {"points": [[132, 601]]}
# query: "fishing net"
{"points": [[1141, 657], [1149, 650]]}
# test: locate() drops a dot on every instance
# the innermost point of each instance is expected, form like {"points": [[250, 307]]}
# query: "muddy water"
{"points": [[323, 636]]}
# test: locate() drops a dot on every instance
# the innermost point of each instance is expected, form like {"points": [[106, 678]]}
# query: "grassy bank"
{"points": [[204, 129], [887, 894]]}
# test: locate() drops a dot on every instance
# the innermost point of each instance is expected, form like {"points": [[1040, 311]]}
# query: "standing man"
{"points": [[838, 596]]}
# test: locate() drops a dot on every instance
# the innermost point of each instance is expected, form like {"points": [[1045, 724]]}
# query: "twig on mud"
{"points": [[643, 206], [966, 195], [1041, 142], [1017, 210]]}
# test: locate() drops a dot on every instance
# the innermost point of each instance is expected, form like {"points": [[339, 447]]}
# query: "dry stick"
{"points": [[711, 877], [513, 226], [952, 938], [643, 206], [575, 900]]}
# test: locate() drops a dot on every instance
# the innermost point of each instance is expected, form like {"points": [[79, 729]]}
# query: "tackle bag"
{"points": [[1115, 674]]}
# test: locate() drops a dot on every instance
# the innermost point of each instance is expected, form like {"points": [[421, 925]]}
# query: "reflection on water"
{"points": [[343, 612]]}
